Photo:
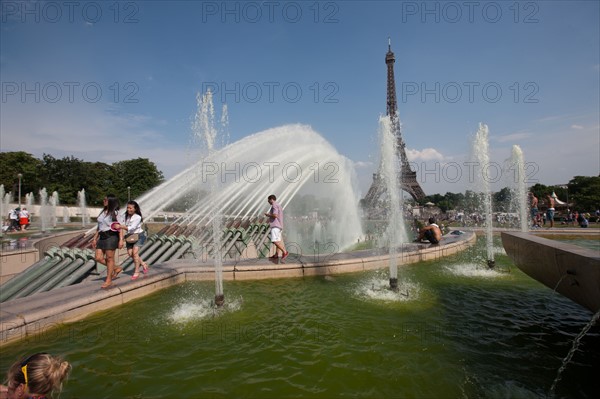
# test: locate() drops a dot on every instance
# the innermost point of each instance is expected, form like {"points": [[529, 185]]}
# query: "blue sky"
{"points": [[107, 81]]}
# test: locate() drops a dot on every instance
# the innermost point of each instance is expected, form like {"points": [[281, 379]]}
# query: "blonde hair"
{"points": [[45, 373]]}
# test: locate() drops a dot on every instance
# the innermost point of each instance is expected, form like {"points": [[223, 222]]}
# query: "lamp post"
{"points": [[128, 193], [20, 175]]}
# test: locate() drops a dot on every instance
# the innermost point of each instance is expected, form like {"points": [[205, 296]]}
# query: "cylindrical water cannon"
{"points": [[394, 284], [491, 263], [219, 300]]}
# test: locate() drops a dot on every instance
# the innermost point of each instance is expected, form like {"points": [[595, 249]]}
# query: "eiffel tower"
{"points": [[408, 180]]}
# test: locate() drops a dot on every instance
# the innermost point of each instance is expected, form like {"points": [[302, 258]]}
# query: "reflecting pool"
{"points": [[454, 330]]}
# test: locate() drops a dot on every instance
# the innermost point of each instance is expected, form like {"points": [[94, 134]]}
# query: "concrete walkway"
{"points": [[35, 314]]}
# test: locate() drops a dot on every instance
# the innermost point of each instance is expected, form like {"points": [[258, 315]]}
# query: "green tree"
{"points": [[13, 163], [99, 181], [540, 191], [63, 175], [584, 193], [140, 175], [501, 200]]}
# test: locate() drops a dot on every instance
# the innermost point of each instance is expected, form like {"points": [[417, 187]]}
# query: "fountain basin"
{"points": [[570, 270], [27, 316]]}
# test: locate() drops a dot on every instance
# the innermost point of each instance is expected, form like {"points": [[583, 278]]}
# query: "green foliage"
{"points": [[139, 175], [444, 202], [69, 175], [13, 163], [584, 192], [501, 200]]}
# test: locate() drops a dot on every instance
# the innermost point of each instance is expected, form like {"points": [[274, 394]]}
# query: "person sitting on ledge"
{"points": [[430, 232]]}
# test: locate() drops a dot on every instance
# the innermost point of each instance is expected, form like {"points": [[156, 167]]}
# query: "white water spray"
{"points": [[66, 215], [480, 157], [54, 202], [518, 187], [302, 160], [390, 170], [85, 218], [3, 209], [29, 198], [44, 209], [204, 129]]}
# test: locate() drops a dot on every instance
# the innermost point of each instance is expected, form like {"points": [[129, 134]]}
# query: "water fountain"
{"points": [[45, 209], [312, 336], [517, 182], [306, 161], [481, 185], [3, 209], [317, 236], [66, 218], [81, 202], [204, 130], [54, 202], [390, 164], [29, 199]]}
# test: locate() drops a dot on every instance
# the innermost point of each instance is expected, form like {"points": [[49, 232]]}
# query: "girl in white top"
{"points": [[108, 238], [132, 224]]}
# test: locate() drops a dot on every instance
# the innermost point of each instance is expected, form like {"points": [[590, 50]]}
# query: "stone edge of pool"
{"points": [[570, 270], [32, 315]]}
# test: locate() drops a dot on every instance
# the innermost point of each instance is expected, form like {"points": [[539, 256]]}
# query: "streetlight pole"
{"points": [[128, 193], [20, 175]]}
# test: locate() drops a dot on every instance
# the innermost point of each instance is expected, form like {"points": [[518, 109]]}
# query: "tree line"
{"points": [[69, 175], [582, 193]]}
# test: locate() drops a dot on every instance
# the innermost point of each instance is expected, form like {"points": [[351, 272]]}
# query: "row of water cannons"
{"points": [[74, 261]]}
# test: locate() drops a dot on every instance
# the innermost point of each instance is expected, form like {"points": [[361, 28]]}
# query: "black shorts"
{"points": [[431, 236], [108, 240]]}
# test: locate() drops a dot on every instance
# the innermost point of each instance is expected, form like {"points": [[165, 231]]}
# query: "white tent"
{"points": [[559, 202]]}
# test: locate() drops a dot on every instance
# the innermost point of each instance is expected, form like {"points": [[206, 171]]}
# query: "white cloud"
{"points": [[91, 133], [513, 137], [363, 164], [426, 154], [578, 127]]}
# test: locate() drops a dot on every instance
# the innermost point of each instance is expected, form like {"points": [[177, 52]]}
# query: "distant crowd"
{"points": [[18, 219]]}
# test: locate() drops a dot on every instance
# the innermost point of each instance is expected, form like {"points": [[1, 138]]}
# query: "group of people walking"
{"points": [[538, 219], [113, 229], [18, 219], [112, 232]]}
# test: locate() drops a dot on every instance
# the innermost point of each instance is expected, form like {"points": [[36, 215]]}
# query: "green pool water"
{"points": [[593, 244], [455, 330]]}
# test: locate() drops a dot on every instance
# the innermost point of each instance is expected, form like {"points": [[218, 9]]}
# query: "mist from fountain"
{"points": [[481, 184], [317, 235], [204, 131], [6, 200], [85, 218], [390, 170], [3, 208], [29, 199], [253, 170], [44, 209], [518, 187], [54, 202], [66, 215]]}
